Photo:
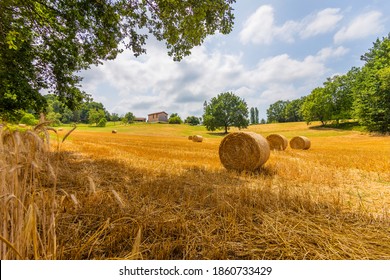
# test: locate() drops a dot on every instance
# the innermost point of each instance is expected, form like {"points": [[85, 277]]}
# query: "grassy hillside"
{"points": [[183, 130], [148, 192]]}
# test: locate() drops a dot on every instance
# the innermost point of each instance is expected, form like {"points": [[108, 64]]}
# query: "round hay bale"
{"points": [[190, 137], [114, 131], [300, 143], [277, 142], [197, 138], [243, 151]]}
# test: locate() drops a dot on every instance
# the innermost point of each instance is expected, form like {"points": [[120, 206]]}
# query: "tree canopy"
{"points": [[372, 88], [175, 119], [192, 120], [45, 43], [224, 111]]}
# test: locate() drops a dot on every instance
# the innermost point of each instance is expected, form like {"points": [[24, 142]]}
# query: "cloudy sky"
{"points": [[279, 49]]}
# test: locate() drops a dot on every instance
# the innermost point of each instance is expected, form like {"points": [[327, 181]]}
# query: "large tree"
{"points": [[224, 111], [317, 106], [44, 43], [340, 87], [276, 111], [372, 88], [292, 111]]}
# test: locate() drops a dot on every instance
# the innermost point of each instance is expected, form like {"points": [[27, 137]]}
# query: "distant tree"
{"points": [[76, 116], [292, 111], [175, 119], [95, 115], [102, 122], [54, 118], [263, 121], [256, 115], [128, 118], [252, 115], [86, 108], [192, 120], [276, 111], [114, 117], [224, 111], [67, 116]]}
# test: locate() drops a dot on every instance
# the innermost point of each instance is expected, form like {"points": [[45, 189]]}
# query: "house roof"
{"points": [[158, 113]]}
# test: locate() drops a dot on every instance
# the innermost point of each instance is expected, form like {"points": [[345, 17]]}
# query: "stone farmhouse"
{"points": [[158, 117]]}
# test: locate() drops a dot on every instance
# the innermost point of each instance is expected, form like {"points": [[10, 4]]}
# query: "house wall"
{"points": [[162, 118], [158, 117]]}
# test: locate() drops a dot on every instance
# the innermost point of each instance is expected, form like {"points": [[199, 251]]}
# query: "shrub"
{"points": [[175, 120], [102, 122], [28, 119]]}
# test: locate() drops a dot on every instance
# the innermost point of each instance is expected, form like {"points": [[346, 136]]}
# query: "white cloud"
{"points": [[327, 53], [260, 27], [284, 69], [157, 83], [323, 22], [364, 25]]}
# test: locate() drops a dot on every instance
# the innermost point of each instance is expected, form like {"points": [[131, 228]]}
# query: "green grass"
{"points": [[184, 130], [154, 129]]}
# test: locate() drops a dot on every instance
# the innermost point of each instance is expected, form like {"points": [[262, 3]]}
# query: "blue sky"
{"points": [[278, 50]]}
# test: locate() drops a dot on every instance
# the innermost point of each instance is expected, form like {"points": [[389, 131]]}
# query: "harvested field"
{"points": [[154, 196]]}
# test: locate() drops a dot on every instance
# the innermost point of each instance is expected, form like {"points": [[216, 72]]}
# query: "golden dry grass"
{"points": [[127, 196], [27, 208]]}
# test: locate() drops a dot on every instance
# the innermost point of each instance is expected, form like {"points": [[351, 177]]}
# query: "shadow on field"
{"points": [[217, 134], [119, 211], [349, 126]]}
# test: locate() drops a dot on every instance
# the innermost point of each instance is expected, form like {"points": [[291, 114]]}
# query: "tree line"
{"points": [[363, 94], [89, 112]]}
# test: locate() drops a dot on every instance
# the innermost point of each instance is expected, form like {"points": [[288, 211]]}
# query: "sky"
{"points": [[278, 50]]}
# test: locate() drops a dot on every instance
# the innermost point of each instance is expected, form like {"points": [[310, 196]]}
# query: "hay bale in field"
{"points": [[243, 151], [190, 137], [22, 125], [300, 143], [277, 142], [197, 138], [114, 131]]}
